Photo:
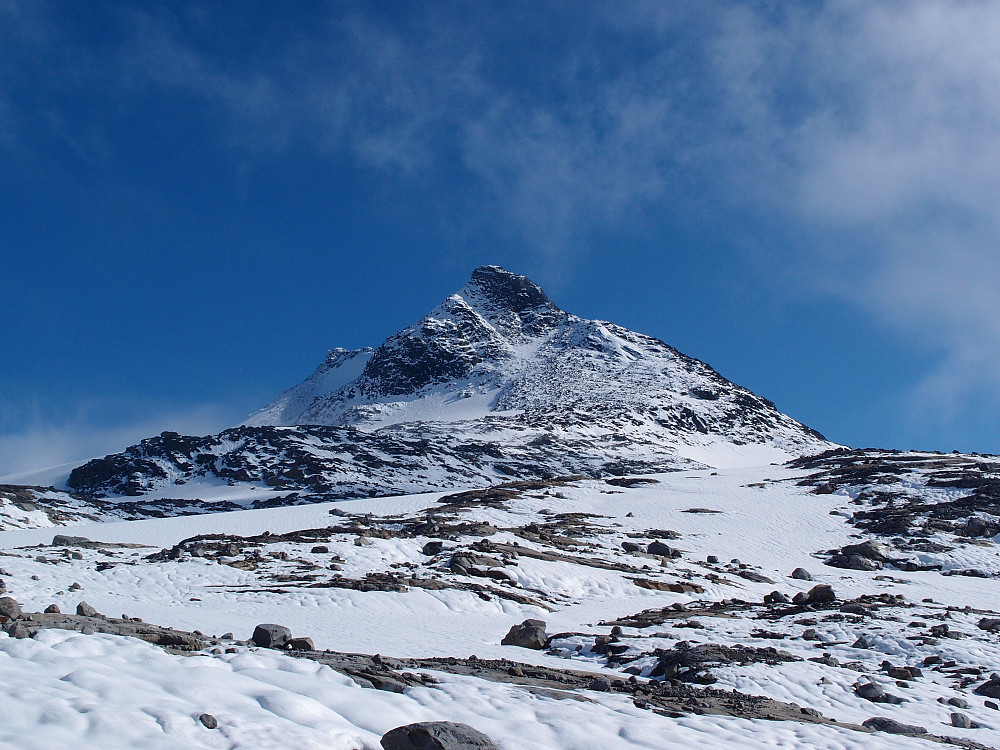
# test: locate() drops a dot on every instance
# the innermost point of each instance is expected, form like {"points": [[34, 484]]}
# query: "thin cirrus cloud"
{"points": [[866, 132]]}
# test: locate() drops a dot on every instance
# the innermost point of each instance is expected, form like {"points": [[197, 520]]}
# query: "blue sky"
{"points": [[200, 198]]}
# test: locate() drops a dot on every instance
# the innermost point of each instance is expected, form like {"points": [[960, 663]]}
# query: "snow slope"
{"points": [[569, 569]]}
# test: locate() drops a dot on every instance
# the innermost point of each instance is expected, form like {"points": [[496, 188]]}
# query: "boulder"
{"points": [[529, 634], [854, 562], [302, 644], [436, 735], [10, 608], [268, 635], [85, 610], [775, 597], [821, 593], [891, 726], [661, 549], [960, 720], [991, 624], [870, 550], [52, 609], [432, 547], [990, 688], [801, 574], [209, 721], [631, 546]]}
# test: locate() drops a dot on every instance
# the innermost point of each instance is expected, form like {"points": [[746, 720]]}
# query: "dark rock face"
{"points": [[529, 634], [436, 735], [268, 635]]}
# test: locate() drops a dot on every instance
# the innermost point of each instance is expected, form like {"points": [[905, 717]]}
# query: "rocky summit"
{"points": [[494, 384]]}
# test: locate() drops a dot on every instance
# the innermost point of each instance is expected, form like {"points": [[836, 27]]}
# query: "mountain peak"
{"points": [[513, 304], [507, 290]]}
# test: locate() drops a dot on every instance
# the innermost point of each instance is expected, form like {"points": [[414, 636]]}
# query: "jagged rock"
{"points": [[891, 726], [862, 642], [208, 721], [85, 610], [436, 735], [801, 574], [268, 635], [529, 634], [10, 608]]}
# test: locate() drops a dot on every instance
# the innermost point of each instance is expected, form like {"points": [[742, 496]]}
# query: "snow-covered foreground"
{"points": [[366, 583]]}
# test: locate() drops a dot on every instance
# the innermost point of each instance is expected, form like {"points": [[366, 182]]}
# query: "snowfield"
{"points": [[67, 689]]}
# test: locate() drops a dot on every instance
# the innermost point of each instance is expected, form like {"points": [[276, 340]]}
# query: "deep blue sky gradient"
{"points": [[199, 200]]}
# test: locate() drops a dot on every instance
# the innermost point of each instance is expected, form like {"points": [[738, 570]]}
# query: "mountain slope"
{"points": [[495, 383]]}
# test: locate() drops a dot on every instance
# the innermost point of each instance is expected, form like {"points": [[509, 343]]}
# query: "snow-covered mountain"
{"points": [[495, 383]]}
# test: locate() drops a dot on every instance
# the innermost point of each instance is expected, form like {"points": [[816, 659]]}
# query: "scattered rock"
{"points": [[209, 721], [891, 726], [436, 735], [529, 634], [85, 610], [268, 635]]}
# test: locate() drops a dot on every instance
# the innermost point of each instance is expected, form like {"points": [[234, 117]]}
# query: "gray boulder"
{"points": [[268, 635], [960, 720], [854, 562], [10, 608], [529, 634], [436, 735], [891, 726], [801, 574], [85, 610]]}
